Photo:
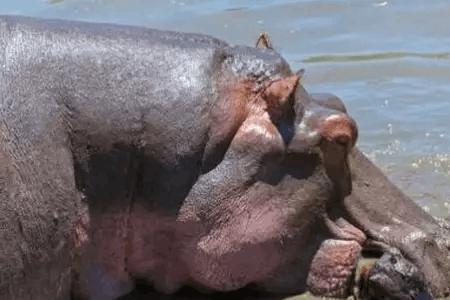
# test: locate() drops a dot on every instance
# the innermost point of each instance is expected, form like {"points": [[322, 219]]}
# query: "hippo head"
{"points": [[292, 204]]}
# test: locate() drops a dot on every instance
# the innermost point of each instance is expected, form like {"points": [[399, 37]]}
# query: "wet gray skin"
{"points": [[133, 156], [393, 277]]}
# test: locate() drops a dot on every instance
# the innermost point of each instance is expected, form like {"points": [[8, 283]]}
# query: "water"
{"points": [[388, 60]]}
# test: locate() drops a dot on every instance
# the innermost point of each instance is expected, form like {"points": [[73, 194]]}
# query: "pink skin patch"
{"points": [[333, 267]]}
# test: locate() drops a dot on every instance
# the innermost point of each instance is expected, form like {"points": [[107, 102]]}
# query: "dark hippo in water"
{"points": [[131, 155]]}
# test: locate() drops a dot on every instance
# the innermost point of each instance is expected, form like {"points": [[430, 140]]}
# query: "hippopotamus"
{"points": [[131, 156]]}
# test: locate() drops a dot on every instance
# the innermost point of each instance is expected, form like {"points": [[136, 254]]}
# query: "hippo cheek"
{"points": [[255, 240], [239, 251], [267, 236]]}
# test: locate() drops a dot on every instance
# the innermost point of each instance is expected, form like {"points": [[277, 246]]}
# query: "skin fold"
{"points": [[135, 156]]}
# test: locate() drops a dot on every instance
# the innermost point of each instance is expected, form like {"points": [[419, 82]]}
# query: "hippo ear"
{"points": [[278, 92], [263, 41]]}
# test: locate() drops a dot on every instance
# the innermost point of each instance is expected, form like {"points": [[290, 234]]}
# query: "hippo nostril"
{"points": [[393, 260]]}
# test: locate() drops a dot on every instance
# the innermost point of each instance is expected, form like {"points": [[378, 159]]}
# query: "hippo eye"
{"points": [[339, 129]]}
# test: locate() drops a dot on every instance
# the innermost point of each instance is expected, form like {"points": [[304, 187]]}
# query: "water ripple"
{"points": [[374, 56]]}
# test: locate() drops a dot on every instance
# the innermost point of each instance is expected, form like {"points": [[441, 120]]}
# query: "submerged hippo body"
{"points": [[134, 155]]}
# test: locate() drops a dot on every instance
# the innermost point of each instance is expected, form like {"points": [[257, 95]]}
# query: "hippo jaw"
{"points": [[399, 228]]}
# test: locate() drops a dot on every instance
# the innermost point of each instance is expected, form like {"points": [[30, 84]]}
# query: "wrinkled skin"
{"points": [[132, 155]]}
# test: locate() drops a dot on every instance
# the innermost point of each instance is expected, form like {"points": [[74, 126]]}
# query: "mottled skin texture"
{"points": [[135, 155]]}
